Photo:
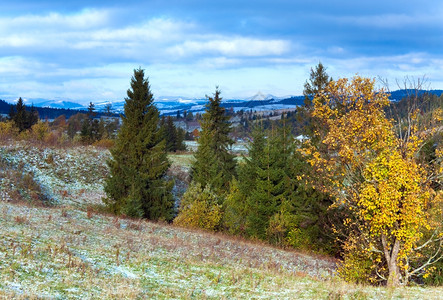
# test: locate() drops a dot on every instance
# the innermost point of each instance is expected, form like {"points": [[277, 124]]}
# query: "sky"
{"points": [[87, 50]]}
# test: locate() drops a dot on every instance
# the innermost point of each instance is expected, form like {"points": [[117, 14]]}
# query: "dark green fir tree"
{"points": [[22, 118], [318, 81], [174, 137], [137, 185], [270, 171], [237, 206], [214, 165]]}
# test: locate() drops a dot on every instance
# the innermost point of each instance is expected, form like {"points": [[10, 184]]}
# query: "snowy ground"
{"points": [[70, 249]]}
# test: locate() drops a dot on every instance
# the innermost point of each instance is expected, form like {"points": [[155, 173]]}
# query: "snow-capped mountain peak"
{"points": [[261, 97]]}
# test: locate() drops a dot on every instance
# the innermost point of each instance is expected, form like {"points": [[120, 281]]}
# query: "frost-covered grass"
{"points": [[65, 252], [70, 250], [66, 175]]}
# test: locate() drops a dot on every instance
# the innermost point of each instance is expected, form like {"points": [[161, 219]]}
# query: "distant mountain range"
{"points": [[56, 103], [169, 105], [172, 104]]}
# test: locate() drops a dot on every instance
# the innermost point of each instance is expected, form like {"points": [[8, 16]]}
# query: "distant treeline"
{"points": [[48, 112]]}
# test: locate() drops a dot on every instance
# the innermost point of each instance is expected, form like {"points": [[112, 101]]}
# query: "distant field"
{"points": [[72, 250], [237, 148], [181, 159]]}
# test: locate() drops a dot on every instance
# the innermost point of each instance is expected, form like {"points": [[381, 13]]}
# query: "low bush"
{"points": [[199, 208], [8, 130]]}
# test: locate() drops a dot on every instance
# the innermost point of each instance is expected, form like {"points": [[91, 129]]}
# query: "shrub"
{"points": [[358, 265], [8, 130], [199, 208], [305, 238], [104, 143], [40, 131], [278, 228], [434, 276], [235, 210]]}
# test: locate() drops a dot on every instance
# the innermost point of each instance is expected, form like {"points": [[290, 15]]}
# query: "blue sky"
{"points": [[87, 50]]}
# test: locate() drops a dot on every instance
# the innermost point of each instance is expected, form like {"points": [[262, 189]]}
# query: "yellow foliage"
{"points": [[358, 265], [393, 199], [8, 130], [104, 143], [40, 131], [199, 208], [370, 171]]}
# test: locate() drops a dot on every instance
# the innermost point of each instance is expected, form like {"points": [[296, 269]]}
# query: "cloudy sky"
{"points": [[87, 50]]}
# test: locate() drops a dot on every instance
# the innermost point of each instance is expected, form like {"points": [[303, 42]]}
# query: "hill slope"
{"points": [[70, 250]]}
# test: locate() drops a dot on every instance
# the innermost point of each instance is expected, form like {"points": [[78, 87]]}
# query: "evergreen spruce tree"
{"points": [[318, 81], [170, 135], [308, 208], [32, 117], [180, 141], [137, 185], [214, 165], [91, 130], [20, 117], [11, 113], [173, 136], [237, 206], [269, 191], [247, 171]]}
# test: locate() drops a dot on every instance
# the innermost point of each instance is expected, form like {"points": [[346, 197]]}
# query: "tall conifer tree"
{"points": [[22, 118], [270, 172], [214, 165], [318, 81], [137, 185]]}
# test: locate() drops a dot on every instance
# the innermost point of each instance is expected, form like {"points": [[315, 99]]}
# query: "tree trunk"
{"points": [[391, 255]]}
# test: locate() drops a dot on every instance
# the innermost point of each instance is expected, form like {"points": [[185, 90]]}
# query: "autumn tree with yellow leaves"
{"points": [[392, 211]]}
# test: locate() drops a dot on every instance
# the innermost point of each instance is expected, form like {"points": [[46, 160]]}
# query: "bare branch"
{"points": [[373, 249], [427, 242], [379, 275], [430, 261]]}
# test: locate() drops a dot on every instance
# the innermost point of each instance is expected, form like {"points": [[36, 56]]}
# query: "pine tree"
{"points": [[20, 116], [32, 117], [91, 130], [318, 81], [170, 135], [269, 190], [308, 208], [214, 165], [23, 119], [11, 113], [173, 136], [236, 206], [180, 141], [137, 184]]}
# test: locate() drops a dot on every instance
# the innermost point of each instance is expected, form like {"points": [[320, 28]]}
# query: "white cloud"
{"points": [[91, 54], [154, 29], [11, 66], [238, 46], [89, 29], [85, 19]]}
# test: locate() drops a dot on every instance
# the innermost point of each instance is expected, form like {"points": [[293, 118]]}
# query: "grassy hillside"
{"points": [[64, 247]]}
